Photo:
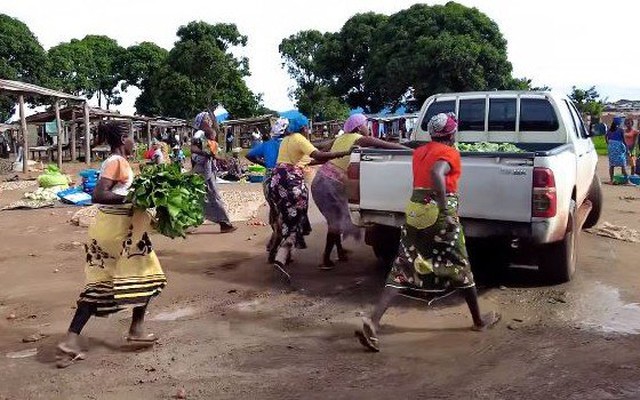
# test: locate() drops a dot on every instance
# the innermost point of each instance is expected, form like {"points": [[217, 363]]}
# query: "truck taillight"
{"points": [[545, 200], [353, 183]]}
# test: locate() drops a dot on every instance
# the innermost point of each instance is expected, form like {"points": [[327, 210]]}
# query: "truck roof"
{"points": [[550, 93]]}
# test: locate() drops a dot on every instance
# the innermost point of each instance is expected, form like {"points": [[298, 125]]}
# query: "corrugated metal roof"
{"points": [[27, 88]]}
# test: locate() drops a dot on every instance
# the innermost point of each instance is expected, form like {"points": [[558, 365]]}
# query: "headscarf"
{"points": [[279, 127], [297, 123], [202, 117], [354, 122], [442, 125]]}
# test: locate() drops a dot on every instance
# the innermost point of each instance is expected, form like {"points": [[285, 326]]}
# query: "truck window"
{"points": [[580, 126], [537, 115], [502, 114], [471, 115], [438, 107]]}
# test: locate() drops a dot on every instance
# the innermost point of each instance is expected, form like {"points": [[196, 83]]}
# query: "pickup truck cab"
{"points": [[534, 201]]}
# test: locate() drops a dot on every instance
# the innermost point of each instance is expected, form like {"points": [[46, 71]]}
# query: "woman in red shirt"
{"points": [[432, 259]]}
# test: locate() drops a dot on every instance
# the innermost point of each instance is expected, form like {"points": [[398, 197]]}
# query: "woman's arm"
{"points": [[102, 193], [368, 141], [323, 156], [438, 172], [197, 150]]}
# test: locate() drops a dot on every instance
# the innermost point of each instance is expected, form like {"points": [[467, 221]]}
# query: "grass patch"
{"points": [[600, 145]]}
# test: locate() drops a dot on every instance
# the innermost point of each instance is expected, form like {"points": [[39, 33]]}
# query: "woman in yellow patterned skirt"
{"points": [[122, 270]]}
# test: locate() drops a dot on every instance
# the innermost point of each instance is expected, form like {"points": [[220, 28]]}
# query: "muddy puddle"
{"points": [[600, 307]]}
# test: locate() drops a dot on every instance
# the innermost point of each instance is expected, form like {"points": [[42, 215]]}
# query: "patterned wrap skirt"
{"points": [[122, 269], [288, 193], [330, 195], [617, 152], [432, 257]]}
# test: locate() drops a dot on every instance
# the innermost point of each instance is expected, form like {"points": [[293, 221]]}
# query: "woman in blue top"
{"points": [[266, 154], [616, 149]]}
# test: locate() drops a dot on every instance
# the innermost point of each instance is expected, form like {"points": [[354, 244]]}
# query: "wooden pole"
{"points": [[72, 133], [25, 136], [87, 134], [59, 129], [149, 133]]}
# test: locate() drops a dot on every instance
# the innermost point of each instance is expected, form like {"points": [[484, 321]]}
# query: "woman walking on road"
{"points": [[329, 188], [616, 149], [288, 191], [432, 258], [203, 153], [122, 269], [266, 154]]}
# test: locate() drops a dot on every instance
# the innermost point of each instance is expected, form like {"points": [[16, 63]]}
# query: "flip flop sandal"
{"points": [[282, 272], [67, 357], [367, 336], [327, 266], [149, 338], [493, 319]]}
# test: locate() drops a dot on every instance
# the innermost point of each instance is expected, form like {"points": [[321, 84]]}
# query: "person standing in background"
{"points": [[204, 150]]}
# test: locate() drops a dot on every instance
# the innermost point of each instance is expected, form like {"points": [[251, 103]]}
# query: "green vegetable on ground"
{"points": [[486, 147], [177, 198]]}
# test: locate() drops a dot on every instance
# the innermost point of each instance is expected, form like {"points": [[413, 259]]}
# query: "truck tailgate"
{"points": [[496, 188], [386, 180], [493, 186]]}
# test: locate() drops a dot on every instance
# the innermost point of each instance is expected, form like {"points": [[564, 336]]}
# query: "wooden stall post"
{"points": [[25, 136], [87, 134], [72, 134], [149, 133], [59, 129]]}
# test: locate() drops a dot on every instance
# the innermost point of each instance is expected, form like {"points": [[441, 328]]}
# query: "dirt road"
{"points": [[228, 332]]}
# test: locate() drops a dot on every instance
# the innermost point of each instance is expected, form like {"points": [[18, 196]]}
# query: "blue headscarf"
{"points": [[296, 123]]}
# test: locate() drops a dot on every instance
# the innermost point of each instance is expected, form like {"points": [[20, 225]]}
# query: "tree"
{"points": [[140, 63], [319, 104], [347, 57], [201, 72], [309, 59], [524, 84], [106, 54], [88, 67], [70, 68], [21, 58], [587, 101], [437, 49]]}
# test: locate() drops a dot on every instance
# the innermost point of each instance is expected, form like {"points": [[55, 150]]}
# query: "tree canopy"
{"points": [[21, 58], [201, 72], [587, 101], [376, 61]]}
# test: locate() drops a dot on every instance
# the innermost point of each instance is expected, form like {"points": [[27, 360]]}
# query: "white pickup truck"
{"points": [[528, 205]]}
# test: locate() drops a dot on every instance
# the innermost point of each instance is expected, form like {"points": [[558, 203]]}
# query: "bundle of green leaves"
{"points": [[177, 198], [486, 147]]}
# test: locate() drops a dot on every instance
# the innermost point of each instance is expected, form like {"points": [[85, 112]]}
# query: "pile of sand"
{"points": [[616, 232]]}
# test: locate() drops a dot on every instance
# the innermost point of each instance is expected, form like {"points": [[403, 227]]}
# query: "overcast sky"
{"points": [[554, 42]]}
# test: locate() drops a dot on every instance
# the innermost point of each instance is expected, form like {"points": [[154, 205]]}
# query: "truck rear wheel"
{"points": [[595, 197], [557, 261], [385, 241]]}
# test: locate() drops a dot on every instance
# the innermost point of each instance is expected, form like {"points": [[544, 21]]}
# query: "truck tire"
{"points": [[557, 261], [385, 241], [595, 197]]}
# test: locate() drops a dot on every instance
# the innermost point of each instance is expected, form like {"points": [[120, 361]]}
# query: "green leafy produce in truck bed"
{"points": [[486, 147], [177, 198]]}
